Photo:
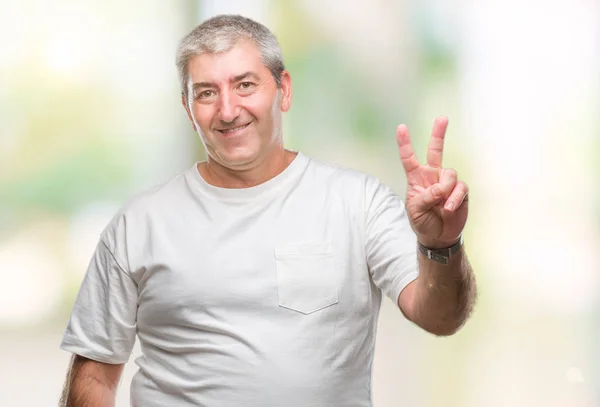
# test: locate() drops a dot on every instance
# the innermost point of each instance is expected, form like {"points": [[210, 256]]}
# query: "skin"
{"points": [[442, 298], [228, 90], [90, 383]]}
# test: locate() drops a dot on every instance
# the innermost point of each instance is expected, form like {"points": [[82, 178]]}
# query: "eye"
{"points": [[246, 85], [205, 94]]}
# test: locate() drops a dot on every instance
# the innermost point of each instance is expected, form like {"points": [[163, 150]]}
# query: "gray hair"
{"points": [[219, 34]]}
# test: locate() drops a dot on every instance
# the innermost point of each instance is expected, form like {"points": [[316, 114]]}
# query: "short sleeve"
{"points": [[102, 325], [391, 244]]}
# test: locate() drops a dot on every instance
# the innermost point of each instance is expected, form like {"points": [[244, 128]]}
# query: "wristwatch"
{"points": [[441, 255]]}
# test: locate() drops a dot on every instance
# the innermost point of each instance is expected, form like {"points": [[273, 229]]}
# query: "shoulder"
{"points": [[338, 174], [338, 177], [141, 207]]}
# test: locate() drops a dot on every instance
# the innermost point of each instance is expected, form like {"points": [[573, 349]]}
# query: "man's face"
{"points": [[235, 105]]}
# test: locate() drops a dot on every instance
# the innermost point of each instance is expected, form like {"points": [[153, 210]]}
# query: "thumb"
{"points": [[430, 197]]}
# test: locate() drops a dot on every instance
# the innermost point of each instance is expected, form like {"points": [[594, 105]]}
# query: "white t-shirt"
{"points": [[257, 297]]}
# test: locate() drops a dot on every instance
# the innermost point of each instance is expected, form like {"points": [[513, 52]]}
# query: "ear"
{"points": [[286, 91], [187, 109]]}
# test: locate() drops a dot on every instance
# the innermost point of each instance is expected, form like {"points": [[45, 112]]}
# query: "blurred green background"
{"points": [[90, 114]]}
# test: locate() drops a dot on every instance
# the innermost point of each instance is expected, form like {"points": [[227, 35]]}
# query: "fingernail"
{"points": [[450, 206]]}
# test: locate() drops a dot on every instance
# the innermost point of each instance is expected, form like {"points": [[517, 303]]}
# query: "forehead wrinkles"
{"points": [[222, 67]]}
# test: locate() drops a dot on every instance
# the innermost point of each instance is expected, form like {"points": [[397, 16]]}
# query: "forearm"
{"points": [[444, 294], [87, 392], [86, 387]]}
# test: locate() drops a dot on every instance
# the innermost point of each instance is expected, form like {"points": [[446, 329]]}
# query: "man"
{"points": [[255, 278]]}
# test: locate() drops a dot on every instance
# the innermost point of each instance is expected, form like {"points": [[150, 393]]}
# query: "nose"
{"points": [[229, 108]]}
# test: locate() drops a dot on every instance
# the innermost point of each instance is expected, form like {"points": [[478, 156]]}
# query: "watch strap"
{"points": [[441, 255]]}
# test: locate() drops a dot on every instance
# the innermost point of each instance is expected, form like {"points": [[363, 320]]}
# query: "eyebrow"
{"points": [[237, 78], [246, 75]]}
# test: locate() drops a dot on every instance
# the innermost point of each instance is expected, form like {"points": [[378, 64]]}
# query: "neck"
{"points": [[271, 166]]}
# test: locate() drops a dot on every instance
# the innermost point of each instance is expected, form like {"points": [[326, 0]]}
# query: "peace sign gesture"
{"points": [[436, 201]]}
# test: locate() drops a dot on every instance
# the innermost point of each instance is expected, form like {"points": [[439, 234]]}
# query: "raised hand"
{"points": [[437, 203]]}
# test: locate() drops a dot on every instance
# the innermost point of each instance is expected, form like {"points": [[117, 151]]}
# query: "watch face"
{"points": [[439, 258], [441, 255]]}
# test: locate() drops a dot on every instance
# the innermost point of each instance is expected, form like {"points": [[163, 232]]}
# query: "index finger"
{"points": [[435, 150], [407, 153]]}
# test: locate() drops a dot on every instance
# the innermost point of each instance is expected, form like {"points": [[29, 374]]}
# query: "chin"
{"points": [[238, 158]]}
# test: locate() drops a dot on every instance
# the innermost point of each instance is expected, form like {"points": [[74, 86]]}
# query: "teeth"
{"points": [[234, 129]]}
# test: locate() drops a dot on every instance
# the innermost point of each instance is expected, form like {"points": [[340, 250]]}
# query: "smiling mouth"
{"points": [[233, 129]]}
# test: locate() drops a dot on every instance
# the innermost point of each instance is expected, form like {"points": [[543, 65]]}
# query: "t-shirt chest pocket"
{"points": [[306, 277]]}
